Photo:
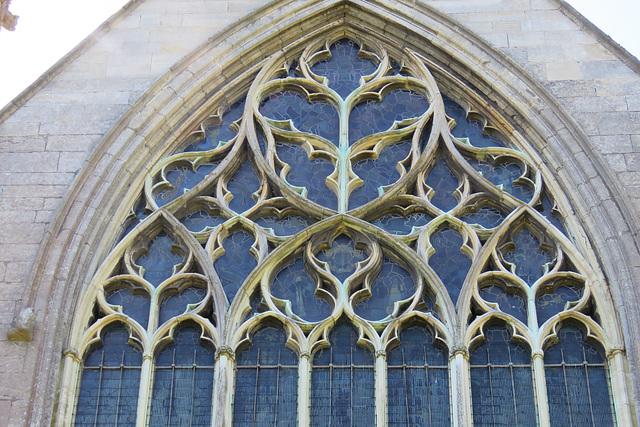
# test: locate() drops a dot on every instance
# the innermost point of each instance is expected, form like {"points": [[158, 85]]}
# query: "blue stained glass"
{"points": [[236, 264], [501, 381], [243, 184], [342, 257], [311, 174], [286, 226], [448, 262], [266, 382], [468, 128], [504, 174], [139, 215], [221, 132], [378, 173], [393, 284], [198, 220], [110, 382], [528, 256], [183, 382], [262, 140], [552, 217], [371, 117], [577, 383], [486, 217], [344, 68], [342, 382], [444, 183], [318, 117], [135, 306], [398, 224], [293, 283], [183, 179], [175, 305], [418, 381], [510, 302], [551, 302], [158, 263]]}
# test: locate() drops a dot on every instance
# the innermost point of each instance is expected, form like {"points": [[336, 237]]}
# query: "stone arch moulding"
{"points": [[217, 70]]}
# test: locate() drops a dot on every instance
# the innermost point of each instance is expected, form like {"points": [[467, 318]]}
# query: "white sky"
{"points": [[48, 29]]}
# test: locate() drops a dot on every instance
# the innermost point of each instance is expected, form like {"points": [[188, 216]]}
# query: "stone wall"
{"points": [[52, 133]]}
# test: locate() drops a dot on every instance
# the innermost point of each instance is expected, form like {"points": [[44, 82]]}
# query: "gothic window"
{"points": [[355, 237]]}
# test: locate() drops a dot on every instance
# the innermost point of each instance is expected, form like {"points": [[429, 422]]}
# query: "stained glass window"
{"points": [[342, 382], [266, 382], [347, 229]]}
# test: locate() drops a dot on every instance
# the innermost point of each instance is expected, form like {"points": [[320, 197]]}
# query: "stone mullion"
{"points": [[144, 393], [304, 388], [224, 379], [381, 388], [460, 388], [540, 388]]}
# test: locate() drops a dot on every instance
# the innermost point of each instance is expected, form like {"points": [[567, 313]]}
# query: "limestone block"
{"points": [[563, 71]]}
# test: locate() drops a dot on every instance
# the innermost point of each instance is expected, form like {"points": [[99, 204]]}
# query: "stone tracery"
{"points": [[397, 176]]}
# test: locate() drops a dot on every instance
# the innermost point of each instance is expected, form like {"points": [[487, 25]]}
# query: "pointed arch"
{"points": [[212, 76]]}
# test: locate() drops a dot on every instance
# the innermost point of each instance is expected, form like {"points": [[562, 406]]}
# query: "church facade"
{"points": [[311, 212]]}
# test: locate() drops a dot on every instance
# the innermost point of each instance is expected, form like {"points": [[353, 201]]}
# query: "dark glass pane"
{"points": [[551, 302], [183, 179], [577, 383], [110, 382], [448, 262], [371, 117], [444, 183], [135, 306], [486, 217], [199, 220], [183, 382], [318, 118], [262, 140], [466, 128], [286, 226], [236, 263], [342, 257], [553, 217], [343, 394], [311, 174], [344, 68], [266, 382], [158, 263], [501, 381], [243, 184], [503, 175], [139, 215], [398, 224], [509, 302], [378, 173], [175, 305], [528, 257], [418, 381], [393, 284], [293, 283], [221, 132]]}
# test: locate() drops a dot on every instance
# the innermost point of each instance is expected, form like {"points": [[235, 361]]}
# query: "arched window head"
{"points": [[346, 187], [577, 380], [501, 381], [342, 381], [266, 381], [418, 380]]}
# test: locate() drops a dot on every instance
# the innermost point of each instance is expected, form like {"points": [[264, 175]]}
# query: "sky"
{"points": [[47, 30]]}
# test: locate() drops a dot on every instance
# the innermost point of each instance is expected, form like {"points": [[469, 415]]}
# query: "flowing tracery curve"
{"points": [[477, 190]]}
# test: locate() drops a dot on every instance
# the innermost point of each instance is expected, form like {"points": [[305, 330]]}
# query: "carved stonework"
{"points": [[23, 325], [7, 19]]}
